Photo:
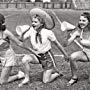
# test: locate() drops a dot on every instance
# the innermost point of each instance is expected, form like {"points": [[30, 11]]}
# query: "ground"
{"points": [[21, 17]]}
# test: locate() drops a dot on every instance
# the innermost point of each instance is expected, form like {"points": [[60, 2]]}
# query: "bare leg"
{"points": [[48, 76], [26, 60], [5, 74], [17, 76], [12, 78], [77, 56]]}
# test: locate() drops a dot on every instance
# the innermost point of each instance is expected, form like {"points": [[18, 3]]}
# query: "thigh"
{"points": [[47, 74], [5, 74], [79, 56], [30, 58]]}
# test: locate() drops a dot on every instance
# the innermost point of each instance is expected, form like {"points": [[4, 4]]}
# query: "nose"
{"points": [[33, 24], [80, 21]]}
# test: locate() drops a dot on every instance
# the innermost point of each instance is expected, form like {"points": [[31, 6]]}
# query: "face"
{"points": [[36, 23], [83, 22]]}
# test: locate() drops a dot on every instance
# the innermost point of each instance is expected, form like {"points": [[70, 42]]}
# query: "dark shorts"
{"points": [[46, 61]]}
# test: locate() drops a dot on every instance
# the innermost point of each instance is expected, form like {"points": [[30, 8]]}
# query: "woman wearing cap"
{"points": [[83, 34], [7, 55], [41, 37]]}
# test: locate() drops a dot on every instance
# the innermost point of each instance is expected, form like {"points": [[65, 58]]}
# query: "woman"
{"points": [[41, 38], [7, 55], [83, 34]]}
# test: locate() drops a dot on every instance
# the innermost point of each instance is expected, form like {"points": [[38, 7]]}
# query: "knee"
{"points": [[26, 58], [74, 57], [45, 80]]}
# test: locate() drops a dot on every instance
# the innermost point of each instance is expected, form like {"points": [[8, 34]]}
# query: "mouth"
{"points": [[82, 25], [33, 26]]}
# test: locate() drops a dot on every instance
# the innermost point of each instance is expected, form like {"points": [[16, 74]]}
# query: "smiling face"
{"points": [[36, 23], [83, 22]]}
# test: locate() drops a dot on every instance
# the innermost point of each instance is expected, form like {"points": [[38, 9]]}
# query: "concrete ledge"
{"points": [[39, 4], [57, 6], [12, 5], [3, 5], [20, 5], [29, 5], [48, 5], [52, 5]]}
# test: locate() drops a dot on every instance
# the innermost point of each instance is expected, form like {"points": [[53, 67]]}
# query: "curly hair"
{"points": [[2, 21], [86, 15]]}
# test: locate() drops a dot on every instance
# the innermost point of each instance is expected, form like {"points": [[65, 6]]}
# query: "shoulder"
{"points": [[47, 31]]}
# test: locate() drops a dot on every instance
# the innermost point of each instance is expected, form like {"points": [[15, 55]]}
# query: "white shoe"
{"points": [[21, 74], [25, 81]]}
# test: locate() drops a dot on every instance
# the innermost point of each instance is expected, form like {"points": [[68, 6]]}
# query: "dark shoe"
{"points": [[72, 81]]}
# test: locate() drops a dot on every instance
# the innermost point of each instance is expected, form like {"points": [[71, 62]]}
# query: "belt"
{"points": [[43, 55]]}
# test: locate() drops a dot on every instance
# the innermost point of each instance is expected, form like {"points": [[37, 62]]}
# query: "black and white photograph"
{"points": [[44, 45]]}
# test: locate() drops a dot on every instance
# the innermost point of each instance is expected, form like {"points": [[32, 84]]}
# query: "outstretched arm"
{"points": [[19, 43], [13, 38]]}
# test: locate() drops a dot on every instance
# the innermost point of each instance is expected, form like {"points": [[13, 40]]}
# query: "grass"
{"points": [[20, 18]]}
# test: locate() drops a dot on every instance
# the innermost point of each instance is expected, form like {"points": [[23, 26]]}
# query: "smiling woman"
{"points": [[41, 36], [83, 33]]}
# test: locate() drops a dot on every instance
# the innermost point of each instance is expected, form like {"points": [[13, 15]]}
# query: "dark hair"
{"points": [[2, 20], [86, 15]]}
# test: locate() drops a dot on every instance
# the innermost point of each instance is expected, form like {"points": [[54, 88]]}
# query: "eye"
{"points": [[34, 21], [82, 20], [79, 20]]}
